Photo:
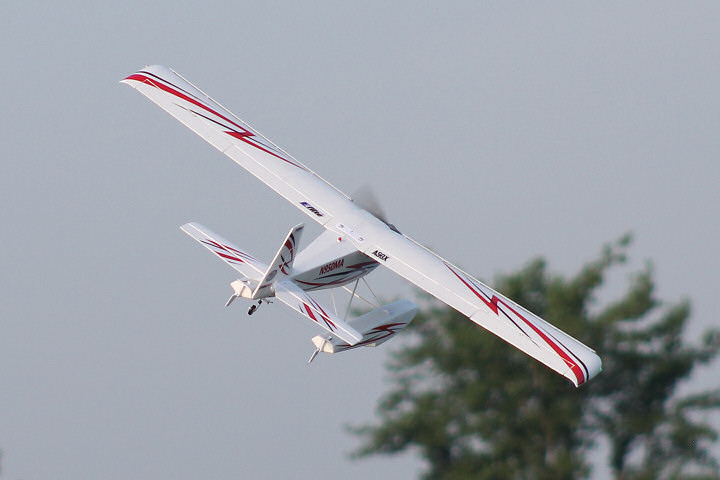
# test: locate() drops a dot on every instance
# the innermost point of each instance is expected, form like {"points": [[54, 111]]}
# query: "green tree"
{"points": [[474, 407]]}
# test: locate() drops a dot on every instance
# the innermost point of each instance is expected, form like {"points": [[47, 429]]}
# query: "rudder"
{"points": [[281, 265]]}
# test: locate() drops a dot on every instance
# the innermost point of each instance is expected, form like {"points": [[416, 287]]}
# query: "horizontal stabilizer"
{"points": [[240, 260], [377, 327], [297, 299]]}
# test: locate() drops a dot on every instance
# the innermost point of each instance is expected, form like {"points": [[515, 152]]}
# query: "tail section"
{"points": [[281, 266], [259, 281]]}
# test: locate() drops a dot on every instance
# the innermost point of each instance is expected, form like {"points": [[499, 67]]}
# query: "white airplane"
{"points": [[354, 243]]}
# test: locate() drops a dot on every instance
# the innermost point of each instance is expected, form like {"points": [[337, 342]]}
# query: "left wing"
{"points": [[236, 139], [335, 211]]}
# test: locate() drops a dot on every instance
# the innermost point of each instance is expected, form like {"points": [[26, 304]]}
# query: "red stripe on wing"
{"points": [[493, 305], [243, 134]]}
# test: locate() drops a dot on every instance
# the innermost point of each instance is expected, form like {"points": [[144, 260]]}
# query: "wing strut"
{"points": [[351, 298]]}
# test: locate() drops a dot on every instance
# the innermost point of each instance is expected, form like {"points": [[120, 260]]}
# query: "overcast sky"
{"points": [[492, 132]]}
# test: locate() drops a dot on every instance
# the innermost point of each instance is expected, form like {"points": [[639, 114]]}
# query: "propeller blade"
{"points": [[366, 199]]}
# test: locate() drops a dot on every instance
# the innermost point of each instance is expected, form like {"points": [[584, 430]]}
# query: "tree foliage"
{"points": [[474, 407]]}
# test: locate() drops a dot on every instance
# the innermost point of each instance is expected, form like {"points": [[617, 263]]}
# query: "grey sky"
{"points": [[491, 132]]}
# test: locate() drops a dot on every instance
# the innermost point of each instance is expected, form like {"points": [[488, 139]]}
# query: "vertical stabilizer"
{"points": [[281, 265]]}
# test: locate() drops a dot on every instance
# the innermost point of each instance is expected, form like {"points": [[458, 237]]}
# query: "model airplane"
{"points": [[354, 243]]}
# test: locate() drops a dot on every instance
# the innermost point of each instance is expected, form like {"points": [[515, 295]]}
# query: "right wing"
{"points": [[297, 299], [483, 305]]}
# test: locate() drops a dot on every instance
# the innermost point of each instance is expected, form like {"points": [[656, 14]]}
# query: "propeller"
{"points": [[365, 198]]}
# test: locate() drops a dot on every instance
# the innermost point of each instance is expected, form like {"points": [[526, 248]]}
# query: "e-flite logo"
{"points": [[312, 209], [332, 266]]}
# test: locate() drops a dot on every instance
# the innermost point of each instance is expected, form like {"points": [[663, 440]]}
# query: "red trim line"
{"points": [[242, 135], [493, 305]]}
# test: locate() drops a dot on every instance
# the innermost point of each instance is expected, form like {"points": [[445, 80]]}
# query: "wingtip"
{"points": [[593, 366], [134, 77], [140, 75]]}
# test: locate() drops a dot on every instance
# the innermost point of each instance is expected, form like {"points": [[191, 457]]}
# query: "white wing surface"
{"points": [[486, 307], [336, 212], [239, 141]]}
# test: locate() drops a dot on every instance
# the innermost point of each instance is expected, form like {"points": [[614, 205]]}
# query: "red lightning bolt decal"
{"points": [[493, 304]]}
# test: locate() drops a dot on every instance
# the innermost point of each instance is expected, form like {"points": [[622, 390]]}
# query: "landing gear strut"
{"points": [[254, 307]]}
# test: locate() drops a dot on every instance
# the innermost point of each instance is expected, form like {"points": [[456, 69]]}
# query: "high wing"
{"points": [[236, 139], [335, 211], [488, 308]]}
